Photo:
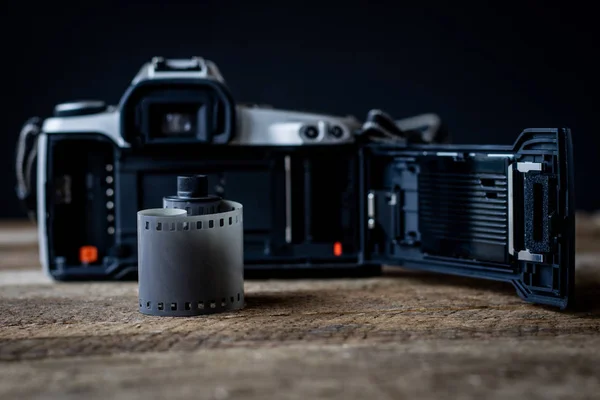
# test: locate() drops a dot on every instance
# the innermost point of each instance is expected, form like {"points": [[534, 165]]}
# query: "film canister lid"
{"points": [[192, 195], [192, 186]]}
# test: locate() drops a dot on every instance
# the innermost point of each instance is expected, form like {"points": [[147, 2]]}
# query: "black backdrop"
{"points": [[488, 71]]}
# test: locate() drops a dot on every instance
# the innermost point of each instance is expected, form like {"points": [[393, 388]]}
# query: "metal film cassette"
{"points": [[191, 264]]}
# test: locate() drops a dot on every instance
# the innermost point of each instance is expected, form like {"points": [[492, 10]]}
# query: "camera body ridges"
{"points": [[320, 192]]}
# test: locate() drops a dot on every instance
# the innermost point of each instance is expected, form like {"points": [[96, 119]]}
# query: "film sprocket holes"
{"points": [[191, 259], [319, 191]]}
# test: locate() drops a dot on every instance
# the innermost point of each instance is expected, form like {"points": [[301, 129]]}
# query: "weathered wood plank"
{"points": [[405, 334], [499, 368]]}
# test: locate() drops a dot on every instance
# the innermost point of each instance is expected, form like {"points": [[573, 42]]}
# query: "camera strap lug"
{"points": [[25, 158]]}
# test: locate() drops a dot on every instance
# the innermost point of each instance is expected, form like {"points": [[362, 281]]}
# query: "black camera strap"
{"points": [[424, 128], [25, 161]]}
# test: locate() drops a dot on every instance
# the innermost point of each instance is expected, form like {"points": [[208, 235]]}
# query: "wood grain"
{"points": [[401, 335]]}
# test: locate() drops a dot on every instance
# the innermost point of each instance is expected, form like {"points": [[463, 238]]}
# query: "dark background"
{"points": [[489, 72]]}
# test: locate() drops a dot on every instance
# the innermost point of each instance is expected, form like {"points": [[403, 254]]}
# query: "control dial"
{"points": [[78, 108]]}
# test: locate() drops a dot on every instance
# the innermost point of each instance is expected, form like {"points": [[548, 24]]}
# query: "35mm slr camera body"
{"points": [[318, 191]]}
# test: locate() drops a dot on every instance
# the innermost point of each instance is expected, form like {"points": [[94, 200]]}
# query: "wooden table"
{"points": [[402, 335]]}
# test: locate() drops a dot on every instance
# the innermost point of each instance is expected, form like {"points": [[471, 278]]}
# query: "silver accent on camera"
{"points": [[195, 68], [371, 210], [256, 125], [41, 203], [288, 198], [272, 127], [79, 105], [105, 123]]}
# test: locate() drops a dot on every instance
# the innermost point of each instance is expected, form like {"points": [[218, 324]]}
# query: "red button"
{"points": [[88, 254], [337, 249]]}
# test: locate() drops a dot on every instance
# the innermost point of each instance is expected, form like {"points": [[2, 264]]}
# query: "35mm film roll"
{"points": [[190, 264]]}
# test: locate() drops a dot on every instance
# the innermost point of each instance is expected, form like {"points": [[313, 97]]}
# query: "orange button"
{"points": [[337, 249], [88, 254]]}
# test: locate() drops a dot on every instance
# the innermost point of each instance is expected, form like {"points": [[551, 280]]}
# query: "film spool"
{"points": [[192, 196], [190, 264]]}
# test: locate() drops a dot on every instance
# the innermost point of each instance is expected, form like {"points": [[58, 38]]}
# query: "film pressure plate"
{"points": [[191, 256]]}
